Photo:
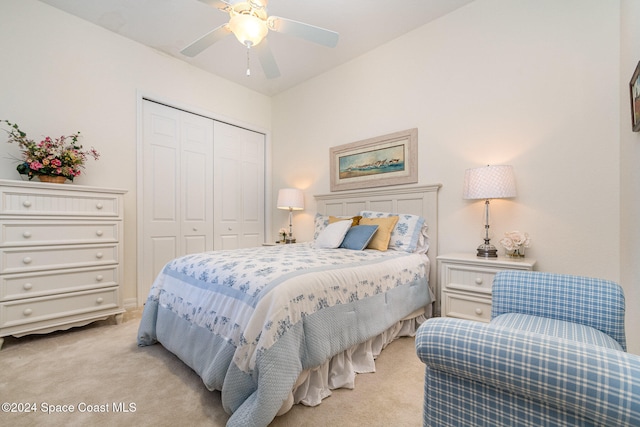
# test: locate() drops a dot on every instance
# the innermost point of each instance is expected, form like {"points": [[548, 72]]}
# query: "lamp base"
{"points": [[289, 240], [487, 250]]}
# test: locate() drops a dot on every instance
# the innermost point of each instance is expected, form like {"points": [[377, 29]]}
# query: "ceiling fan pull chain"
{"points": [[248, 67]]}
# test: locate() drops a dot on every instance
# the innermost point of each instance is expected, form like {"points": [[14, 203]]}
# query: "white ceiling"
{"points": [[170, 25]]}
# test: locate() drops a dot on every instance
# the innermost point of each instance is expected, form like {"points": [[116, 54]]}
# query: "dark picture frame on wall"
{"points": [[634, 93]]}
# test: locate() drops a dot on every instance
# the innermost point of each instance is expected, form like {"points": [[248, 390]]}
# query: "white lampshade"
{"points": [[248, 29], [489, 182], [290, 198]]}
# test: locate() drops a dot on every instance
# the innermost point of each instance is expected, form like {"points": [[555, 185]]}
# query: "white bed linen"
{"points": [[249, 322]]}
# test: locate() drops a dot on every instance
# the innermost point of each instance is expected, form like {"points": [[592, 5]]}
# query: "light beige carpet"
{"points": [[99, 367]]}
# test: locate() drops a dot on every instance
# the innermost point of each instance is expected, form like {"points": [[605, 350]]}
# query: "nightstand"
{"points": [[466, 281]]}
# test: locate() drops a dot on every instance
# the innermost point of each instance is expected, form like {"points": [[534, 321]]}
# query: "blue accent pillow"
{"points": [[358, 237]]}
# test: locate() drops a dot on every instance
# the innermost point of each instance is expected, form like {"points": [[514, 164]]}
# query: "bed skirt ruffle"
{"points": [[314, 385]]}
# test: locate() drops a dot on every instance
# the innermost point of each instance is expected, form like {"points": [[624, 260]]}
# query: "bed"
{"points": [[278, 325]]}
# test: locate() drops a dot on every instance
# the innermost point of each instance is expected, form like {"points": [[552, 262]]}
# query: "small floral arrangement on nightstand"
{"points": [[514, 243], [282, 233]]}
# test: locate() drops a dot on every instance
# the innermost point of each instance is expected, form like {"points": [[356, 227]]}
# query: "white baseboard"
{"points": [[130, 303]]}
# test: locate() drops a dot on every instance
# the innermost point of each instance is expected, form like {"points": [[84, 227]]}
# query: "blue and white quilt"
{"points": [[248, 321]]}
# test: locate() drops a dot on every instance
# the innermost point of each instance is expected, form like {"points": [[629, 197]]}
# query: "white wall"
{"points": [[630, 174], [530, 83], [533, 83], [60, 75]]}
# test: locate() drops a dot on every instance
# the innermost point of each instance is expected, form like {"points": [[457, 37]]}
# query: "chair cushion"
{"points": [[557, 328]]}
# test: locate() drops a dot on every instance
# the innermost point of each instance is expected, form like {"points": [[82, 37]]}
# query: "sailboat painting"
{"points": [[385, 160]]}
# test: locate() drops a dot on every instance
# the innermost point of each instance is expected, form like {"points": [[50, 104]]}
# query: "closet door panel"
{"points": [[239, 187], [253, 189], [161, 226], [227, 206], [162, 191], [163, 249], [196, 184]]}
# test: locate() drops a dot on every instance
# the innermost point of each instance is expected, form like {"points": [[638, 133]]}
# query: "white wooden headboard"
{"points": [[422, 200]]}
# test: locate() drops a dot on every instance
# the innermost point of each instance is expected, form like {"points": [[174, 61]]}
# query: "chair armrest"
{"points": [[596, 383], [588, 301]]}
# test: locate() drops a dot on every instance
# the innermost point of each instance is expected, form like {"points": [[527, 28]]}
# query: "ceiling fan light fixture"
{"points": [[248, 29]]}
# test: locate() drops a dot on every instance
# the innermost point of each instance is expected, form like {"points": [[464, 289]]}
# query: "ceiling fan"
{"points": [[249, 22]]}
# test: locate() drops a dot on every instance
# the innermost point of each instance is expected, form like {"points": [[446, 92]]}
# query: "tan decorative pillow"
{"points": [[380, 240], [354, 219]]}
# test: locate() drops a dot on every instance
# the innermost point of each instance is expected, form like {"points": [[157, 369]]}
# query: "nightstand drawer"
{"points": [[465, 306], [472, 278]]}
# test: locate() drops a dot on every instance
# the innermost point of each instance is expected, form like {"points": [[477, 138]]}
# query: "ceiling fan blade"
{"points": [[305, 31], [219, 4], [268, 62], [207, 40]]}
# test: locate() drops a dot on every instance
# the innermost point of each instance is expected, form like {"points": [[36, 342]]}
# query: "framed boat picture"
{"points": [[385, 160], [634, 92]]}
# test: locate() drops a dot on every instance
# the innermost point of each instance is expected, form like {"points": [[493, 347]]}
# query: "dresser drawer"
{"points": [[33, 233], [466, 306], [19, 260], [15, 286], [33, 310], [36, 201], [473, 278]]}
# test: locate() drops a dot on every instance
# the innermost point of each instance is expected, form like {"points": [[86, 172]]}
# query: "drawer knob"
{"points": [[99, 300], [99, 278], [99, 255], [99, 205], [27, 260], [26, 203], [27, 312], [27, 286], [26, 234], [479, 311], [478, 280], [99, 233]]}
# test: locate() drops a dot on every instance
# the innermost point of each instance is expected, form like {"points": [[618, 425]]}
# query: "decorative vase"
{"points": [[54, 179], [516, 253]]}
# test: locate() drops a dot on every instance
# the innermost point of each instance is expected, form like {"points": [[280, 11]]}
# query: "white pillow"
{"points": [[333, 235]]}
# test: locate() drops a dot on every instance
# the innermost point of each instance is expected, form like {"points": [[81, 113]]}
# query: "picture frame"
{"points": [[376, 162], [634, 93]]}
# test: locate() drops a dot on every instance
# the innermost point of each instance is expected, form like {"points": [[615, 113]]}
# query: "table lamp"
{"points": [[293, 200], [489, 182]]}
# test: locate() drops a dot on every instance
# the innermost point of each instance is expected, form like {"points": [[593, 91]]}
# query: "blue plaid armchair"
{"points": [[554, 354]]}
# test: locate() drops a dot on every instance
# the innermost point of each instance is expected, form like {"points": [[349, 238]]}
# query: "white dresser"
{"points": [[466, 281], [60, 256]]}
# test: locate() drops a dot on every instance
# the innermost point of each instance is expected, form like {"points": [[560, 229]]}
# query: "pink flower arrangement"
{"points": [[62, 156]]}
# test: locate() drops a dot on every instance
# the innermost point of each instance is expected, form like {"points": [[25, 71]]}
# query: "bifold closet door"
{"points": [[239, 187], [177, 180]]}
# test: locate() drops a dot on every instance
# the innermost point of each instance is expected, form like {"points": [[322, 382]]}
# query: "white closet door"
{"points": [[239, 187], [196, 184], [177, 187]]}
